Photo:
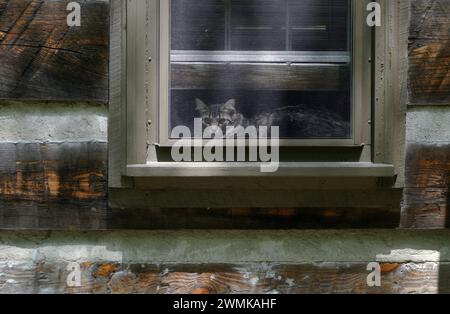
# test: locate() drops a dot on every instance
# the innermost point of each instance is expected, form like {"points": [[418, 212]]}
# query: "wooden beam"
{"points": [[53, 185], [112, 277], [63, 186], [253, 218], [51, 215], [429, 53], [42, 58], [427, 197]]}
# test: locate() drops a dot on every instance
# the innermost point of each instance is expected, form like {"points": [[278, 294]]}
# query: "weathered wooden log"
{"points": [[41, 57], [426, 196], [53, 185], [112, 277], [429, 52]]}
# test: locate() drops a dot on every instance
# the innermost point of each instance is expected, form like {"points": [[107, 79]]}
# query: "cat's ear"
{"points": [[230, 105], [200, 106]]}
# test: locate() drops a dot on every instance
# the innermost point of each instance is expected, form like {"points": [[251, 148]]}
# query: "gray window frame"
{"points": [[135, 89], [160, 24]]}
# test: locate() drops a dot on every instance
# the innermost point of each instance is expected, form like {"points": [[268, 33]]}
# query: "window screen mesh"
{"points": [[221, 47]]}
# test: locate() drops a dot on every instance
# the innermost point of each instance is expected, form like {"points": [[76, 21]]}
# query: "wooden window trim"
{"points": [[131, 95]]}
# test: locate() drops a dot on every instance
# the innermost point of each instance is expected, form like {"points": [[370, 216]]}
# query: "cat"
{"points": [[220, 116], [296, 121], [304, 122]]}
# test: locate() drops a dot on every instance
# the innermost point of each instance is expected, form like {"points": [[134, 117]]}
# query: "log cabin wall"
{"points": [[426, 198], [54, 80], [53, 176]]}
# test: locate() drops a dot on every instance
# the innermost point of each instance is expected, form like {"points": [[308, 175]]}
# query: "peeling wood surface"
{"points": [[44, 277], [429, 52], [427, 195], [42, 58]]}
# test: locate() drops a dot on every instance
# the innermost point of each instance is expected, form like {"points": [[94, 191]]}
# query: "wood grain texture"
{"points": [[265, 77], [427, 197], [103, 278], [53, 185], [429, 52], [42, 58]]}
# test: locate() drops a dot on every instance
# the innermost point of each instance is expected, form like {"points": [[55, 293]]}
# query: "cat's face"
{"points": [[218, 116]]}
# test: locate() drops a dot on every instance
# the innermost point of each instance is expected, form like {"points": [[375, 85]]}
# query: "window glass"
{"points": [[198, 25], [283, 63]]}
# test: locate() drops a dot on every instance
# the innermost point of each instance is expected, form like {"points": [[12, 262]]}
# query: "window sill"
{"points": [[286, 169]]}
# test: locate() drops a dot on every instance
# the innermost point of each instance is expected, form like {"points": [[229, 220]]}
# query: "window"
{"points": [[267, 59], [314, 68], [273, 62]]}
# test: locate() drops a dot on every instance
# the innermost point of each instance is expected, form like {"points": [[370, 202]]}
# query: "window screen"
{"points": [[283, 63]]}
